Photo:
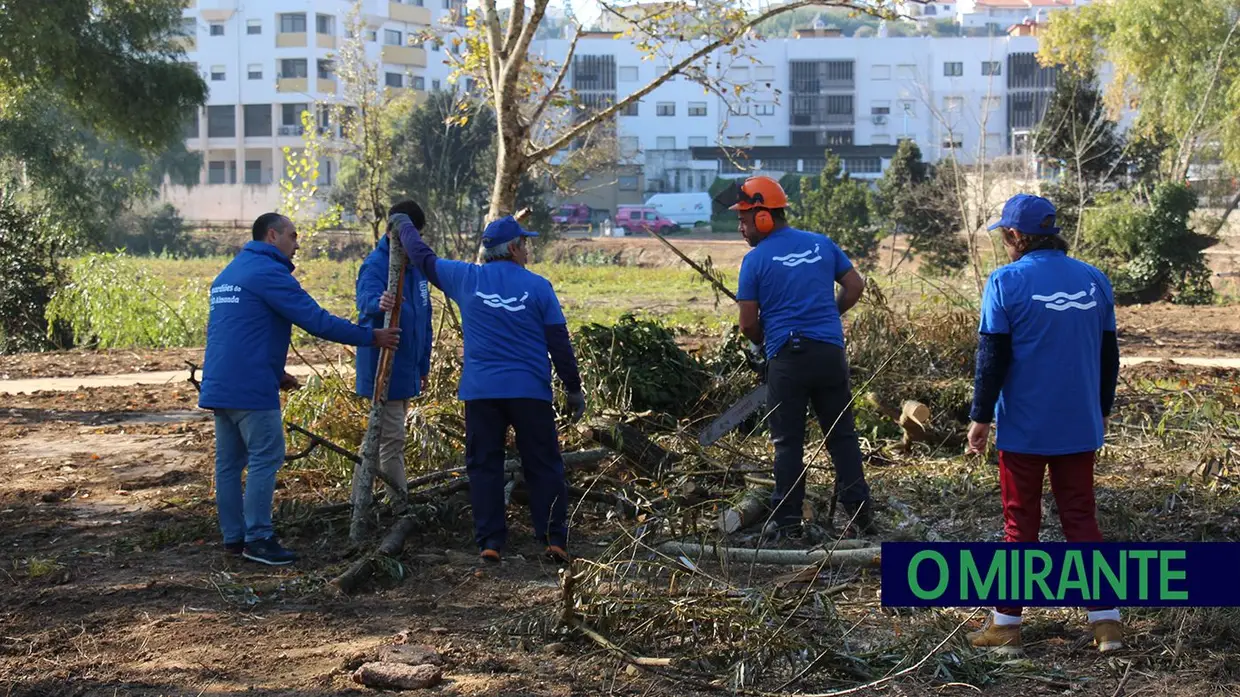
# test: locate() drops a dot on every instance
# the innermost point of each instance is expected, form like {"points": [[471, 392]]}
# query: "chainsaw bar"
{"points": [[734, 416]]}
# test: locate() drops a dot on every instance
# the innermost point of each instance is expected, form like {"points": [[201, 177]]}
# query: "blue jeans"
{"points": [[256, 439]]}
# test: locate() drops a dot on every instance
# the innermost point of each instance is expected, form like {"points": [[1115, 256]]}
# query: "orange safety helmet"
{"points": [[761, 192]]}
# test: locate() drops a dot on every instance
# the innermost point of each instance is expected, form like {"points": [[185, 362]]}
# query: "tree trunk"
{"points": [[510, 163], [364, 470]]}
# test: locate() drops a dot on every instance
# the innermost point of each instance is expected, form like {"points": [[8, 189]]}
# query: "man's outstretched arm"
{"points": [[420, 254]]}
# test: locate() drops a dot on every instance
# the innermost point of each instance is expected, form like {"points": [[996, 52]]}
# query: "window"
{"points": [[419, 83], [627, 182], [254, 26], [294, 68], [697, 108], [991, 103], [630, 109], [906, 72], [953, 69], [764, 109], [953, 104], [393, 79], [324, 118], [391, 37], [665, 109], [880, 72], [764, 73], [950, 143], [325, 173], [217, 29], [254, 71], [838, 138], [221, 121], [880, 108], [217, 172], [290, 120], [863, 165], [628, 145], [257, 120], [434, 84], [217, 73], [325, 24], [628, 73], [372, 35], [293, 23], [447, 4], [665, 143], [253, 172], [765, 140], [738, 75], [931, 10], [325, 70], [697, 141], [436, 47], [191, 125], [992, 68]]}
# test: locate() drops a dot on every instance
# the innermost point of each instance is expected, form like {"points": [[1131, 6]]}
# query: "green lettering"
{"points": [[1038, 577], [1014, 586], [1144, 556], [918, 591], [1119, 584], [1166, 574], [1074, 565], [969, 574]]}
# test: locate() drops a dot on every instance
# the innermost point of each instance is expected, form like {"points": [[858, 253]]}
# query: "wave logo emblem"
{"points": [[800, 258], [495, 300], [1063, 301]]}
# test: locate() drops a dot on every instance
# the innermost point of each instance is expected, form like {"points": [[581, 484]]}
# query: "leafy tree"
{"points": [[29, 272], [1076, 132], [838, 207], [918, 202]]}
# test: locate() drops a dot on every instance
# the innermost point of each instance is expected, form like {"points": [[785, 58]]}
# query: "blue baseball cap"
{"points": [[504, 230], [1029, 215]]}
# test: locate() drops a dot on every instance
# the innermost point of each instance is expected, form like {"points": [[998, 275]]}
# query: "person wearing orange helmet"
{"points": [[789, 306]]}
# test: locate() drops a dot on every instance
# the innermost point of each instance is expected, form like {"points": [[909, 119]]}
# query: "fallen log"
{"points": [[650, 459], [751, 508], [837, 558]]}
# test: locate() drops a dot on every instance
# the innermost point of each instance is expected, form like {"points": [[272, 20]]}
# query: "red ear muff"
{"points": [[764, 222]]}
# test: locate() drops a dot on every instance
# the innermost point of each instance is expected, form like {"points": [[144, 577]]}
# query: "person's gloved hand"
{"points": [[395, 220], [577, 403]]}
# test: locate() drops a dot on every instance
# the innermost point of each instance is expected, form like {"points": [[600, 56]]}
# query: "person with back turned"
{"points": [[1047, 366], [255, 301], [514, 331], [789, 306]]}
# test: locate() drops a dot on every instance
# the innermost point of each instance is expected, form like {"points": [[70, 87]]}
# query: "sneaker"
{"points": [[557, 553], [1108, 635], [269, 552], [234, 548], [490, 556], [1001, 639]]}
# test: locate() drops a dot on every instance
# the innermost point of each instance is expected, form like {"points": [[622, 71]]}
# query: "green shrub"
{"points": [[112, 301], [639, 363], [159, 232], [29, 271]]}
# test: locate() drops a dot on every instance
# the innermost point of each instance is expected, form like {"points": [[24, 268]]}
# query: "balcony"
{"points": [[325, 41], [298, 85], [291, 41], [412, 14], [325, 86], [404, 55]]}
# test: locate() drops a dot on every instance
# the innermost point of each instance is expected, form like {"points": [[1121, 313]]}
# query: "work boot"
{"points": [[1001, 639], [490, 556], [557, 554], [775, 530], [861, 518], [1108, 635]]}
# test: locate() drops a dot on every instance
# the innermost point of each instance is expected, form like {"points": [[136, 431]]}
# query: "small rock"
{"points": [[410, 655], [398, 676]]}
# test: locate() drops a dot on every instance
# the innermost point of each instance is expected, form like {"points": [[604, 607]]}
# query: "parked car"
{"points": [[579, 214], [686, 210], [635, 219]]}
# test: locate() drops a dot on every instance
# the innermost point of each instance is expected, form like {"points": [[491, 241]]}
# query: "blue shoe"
{"points": [[268, 552], [234, 548]]}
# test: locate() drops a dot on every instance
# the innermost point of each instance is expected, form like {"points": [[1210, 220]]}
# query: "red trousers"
{"points": [[1072, 483]]}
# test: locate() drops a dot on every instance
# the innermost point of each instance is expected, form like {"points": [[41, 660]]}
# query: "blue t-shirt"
{"points": [[504, 309], [792, 274], [1055, 308]]}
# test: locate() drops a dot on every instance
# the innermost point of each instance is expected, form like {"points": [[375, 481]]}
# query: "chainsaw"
{"points": [[736, 414]]}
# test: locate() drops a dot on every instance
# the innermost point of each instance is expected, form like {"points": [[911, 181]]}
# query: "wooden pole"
{"points": [[364, 471]]}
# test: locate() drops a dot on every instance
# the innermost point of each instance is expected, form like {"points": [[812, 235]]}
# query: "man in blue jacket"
{"points": [[512, 321], [1047, 367], [412, 362], [254, 303]]}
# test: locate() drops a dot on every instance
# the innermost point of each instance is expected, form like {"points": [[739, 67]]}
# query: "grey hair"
{"points": [[503, 251]]}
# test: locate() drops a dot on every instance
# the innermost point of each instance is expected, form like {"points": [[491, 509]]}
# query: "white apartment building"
{"points": [[968, 97], [267, 61], [1001, 14]]}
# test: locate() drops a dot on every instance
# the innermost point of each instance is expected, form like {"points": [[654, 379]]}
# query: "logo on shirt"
{"points": [[425, 291], [510, 304], [799, 258], [1062, 301]]}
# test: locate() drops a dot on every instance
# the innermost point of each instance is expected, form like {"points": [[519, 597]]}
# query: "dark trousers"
{"points": [[815, 374], [486, 430], [1072, 483]]}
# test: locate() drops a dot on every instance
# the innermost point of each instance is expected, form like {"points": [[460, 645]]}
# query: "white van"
{"points": [[686, 210]]}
